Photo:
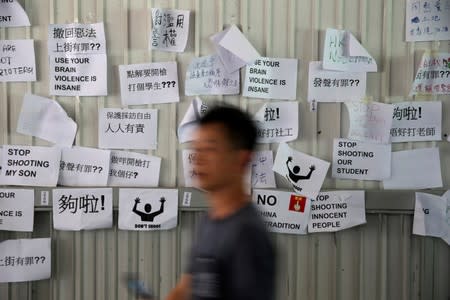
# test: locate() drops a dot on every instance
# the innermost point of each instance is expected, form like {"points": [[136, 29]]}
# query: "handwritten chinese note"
{"points": [[170, 29], [427, 20]]}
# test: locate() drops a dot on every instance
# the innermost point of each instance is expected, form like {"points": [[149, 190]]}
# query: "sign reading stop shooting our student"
{"points": [[334, 211], [16, 209], [271, 78], [127, 128], [77, 55], [30, 165], [17, 61], [417, 121], [148, 209], [359, 160], [149, 83], [25, 260], [283, 212], [77, 209]]}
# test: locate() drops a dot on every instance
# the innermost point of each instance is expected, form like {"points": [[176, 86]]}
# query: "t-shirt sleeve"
{"points": [[253, 266]]}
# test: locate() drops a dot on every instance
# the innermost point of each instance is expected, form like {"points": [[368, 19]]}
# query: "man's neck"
{"points": [[227, 201]]}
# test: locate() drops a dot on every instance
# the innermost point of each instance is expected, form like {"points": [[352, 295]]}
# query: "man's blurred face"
{"points": [[217, 163]]}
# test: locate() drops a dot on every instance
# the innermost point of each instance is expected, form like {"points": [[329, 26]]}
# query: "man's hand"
{"points": [[289, 159], [312, 168], [137, 200], [162, 200]]}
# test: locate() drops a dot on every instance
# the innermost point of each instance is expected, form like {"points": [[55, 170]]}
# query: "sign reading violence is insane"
{"points": [[76, 209], [25, 260], [148, 209], [283, 212], [16, 209], [30, 165], [77, 55]]}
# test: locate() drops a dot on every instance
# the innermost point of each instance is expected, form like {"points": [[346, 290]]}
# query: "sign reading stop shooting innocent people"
{"points": [[30, 165]]}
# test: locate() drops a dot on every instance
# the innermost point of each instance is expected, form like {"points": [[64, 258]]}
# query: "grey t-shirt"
{"points": [[233, 258]]}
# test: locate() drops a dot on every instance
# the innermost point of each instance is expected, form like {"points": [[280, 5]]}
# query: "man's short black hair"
{"points": [[240, 127]]}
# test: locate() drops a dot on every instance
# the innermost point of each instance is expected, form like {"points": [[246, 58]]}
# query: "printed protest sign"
{"points": [[433, 75], [149, 83], [16, 210], [271, 78], [415, 169], [262, 174], [12, 14], [25, 260], [234, 49], [77, 55], [343, 52], [283, 212], [82, 166], [417, 121], [335, 86], [148, 209], [277, 122], [430, 215], [17, 61], [46, 119], [207, 75], [127, 128], [170, 29], [370, 121], [133, 169], [304, 172], [77, 209], [427, 20], [337, 210], [359, 160], [30, 165], [188, 125]]}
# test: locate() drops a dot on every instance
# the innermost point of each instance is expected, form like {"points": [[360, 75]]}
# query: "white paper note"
{"points": [[83, 166], [17, 61], [262, 173], [170, 29], [433, 75], [148, 209], [234, 49], [338, 210], [417, 121], [342, 52], [149, 83], [30, 165], [17, 210], [271, 78], [12, 14], [77, 209], [189, 174], [335, 86], [370, 121], [277, 122], [187, 127], [207, 75], [427, 20], [283, 212], [133, 169], [430, 215], [46, 119], [127, 128], [446, 236], [304, 172], [360, 160], [25, 260], [415, 169]]}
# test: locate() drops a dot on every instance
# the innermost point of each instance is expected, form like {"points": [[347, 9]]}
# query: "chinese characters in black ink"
{"points": [[85, 204]]}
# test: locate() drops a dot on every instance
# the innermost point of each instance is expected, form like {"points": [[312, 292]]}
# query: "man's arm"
{"points": [[182, 290], [161, 208]]}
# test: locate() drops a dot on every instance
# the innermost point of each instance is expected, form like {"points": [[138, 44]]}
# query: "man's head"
{"points": [[224, 142], [148, 208]]}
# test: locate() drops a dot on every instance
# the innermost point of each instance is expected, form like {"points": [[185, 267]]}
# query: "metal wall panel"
{"points": [[380, 260]]}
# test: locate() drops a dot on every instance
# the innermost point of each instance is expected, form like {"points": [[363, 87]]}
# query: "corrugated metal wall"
{"points": [[381, 260]]}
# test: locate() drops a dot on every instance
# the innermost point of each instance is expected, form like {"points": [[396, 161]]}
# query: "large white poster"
{"points": [[77, 209], [283, 212], [148, 209], [16, 209], [25, 260], [337, 210]]}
